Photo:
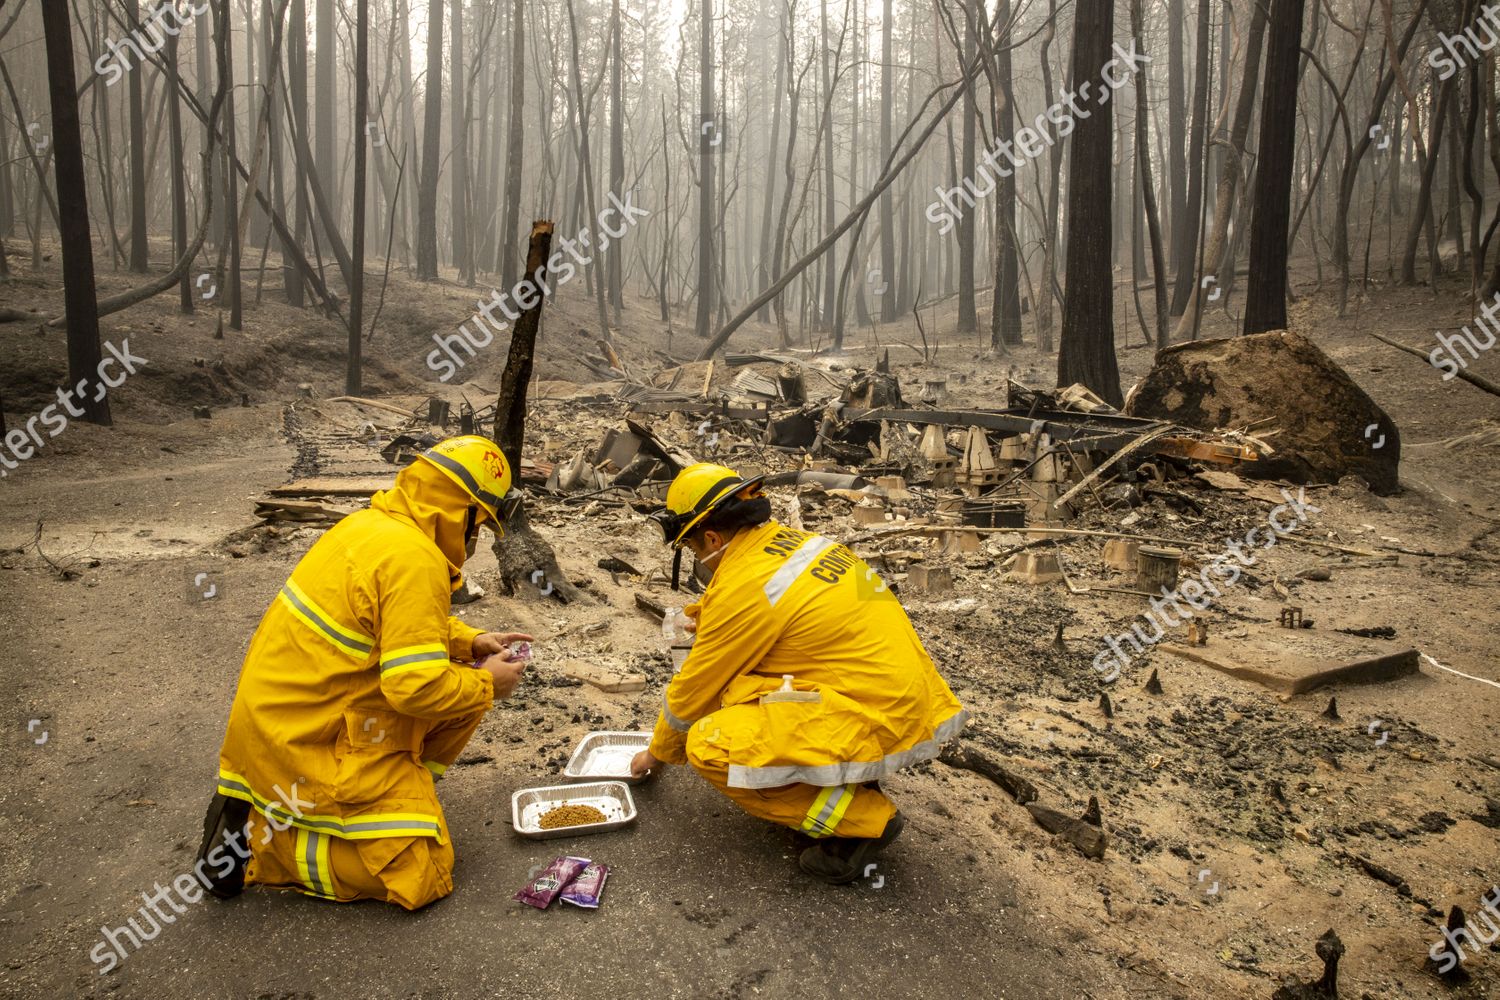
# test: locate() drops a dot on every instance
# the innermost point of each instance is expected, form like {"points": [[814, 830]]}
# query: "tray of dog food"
{"points": [[571, 810], [606, 756]]}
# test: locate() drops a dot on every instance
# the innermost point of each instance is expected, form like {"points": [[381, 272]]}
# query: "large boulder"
{"points": [[1277, 380]]}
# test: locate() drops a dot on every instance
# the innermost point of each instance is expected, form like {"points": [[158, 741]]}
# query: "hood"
{"points": [[437, 506]]}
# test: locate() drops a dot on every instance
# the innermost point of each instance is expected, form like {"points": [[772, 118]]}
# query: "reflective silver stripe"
{"points": [[847, 772], [673, 720], [413, 658], [810, 549], [328, 630], [315, 880], [482, 495], [235, 786], [409, 827], [403, 825], [820, 821]]}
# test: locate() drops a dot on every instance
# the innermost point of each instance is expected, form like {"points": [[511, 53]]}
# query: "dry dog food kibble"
{"points": [[570, 816]]}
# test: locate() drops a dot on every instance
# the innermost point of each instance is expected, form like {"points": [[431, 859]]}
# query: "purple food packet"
{"points": [[588, 887], [520, 651], [543, 889]]}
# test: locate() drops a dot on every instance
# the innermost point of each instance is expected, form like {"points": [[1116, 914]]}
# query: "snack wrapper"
{"points": [[588, 887], [543, 889]]}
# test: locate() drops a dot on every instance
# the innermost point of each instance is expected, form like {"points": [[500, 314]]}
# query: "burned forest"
{"points": [[718, 499]]}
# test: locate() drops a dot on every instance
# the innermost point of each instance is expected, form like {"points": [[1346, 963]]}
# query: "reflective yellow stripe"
{"points": [[811, 824], [306, 610], [312, 850], [398, 661], [436, 768], [827, 809], [832, 822], [367, 826]]}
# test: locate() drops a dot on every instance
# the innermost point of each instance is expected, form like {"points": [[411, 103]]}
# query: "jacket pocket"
{"points": [[376, 763]]}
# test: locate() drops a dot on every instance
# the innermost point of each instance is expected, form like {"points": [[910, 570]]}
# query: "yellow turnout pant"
{"points": [[408, 871]]}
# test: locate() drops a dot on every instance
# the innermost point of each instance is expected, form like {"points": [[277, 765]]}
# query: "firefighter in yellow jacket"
{"points": [[358, 691], [806, 683]]}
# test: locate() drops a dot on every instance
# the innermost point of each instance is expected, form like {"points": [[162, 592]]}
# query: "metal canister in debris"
{"points": [[1156, 568]]}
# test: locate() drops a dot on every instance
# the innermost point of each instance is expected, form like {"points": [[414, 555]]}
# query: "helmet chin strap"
{"points": [[708, 560]]}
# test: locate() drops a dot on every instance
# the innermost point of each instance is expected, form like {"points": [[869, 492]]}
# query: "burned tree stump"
{"points": [[527, 561], [1330, 949], [1448, 963], [510, 406]]}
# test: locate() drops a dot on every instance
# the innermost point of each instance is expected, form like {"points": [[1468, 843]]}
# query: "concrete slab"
{"points": [[1295, 661]]}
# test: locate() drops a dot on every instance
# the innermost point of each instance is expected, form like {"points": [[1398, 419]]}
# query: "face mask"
{"points": [[471, 529]]}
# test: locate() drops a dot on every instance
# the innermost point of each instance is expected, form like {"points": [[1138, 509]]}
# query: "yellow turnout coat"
{"points": [[782, 602], [352, 665]]}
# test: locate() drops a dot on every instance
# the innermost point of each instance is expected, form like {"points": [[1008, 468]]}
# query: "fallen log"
{"points": [[377, 404], [1090, 840], [970, 758], [1475, 380]]}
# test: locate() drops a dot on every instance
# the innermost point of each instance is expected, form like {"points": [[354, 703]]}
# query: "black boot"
{"points": [[224, 830], [841, 860]]}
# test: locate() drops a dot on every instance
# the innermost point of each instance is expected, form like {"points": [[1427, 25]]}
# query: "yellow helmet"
{"points": [[476, 464], [697, 492]]}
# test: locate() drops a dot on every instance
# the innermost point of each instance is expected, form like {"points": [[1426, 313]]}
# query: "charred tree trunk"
{"points": [[1176, 130], [510, 407], [361, 140], [1265, 296], [1186, 227], [178, 168], [427, 255], [613, 261], [139, 252], [514, 146], [706, 213], [889, 302], [967, 318], [1086, 352], [324, 86], [222, 26], [1005, 302], [1148, 190], [458, 125], [1047, 294], [763, 271], [73, 213], [297, 85]]}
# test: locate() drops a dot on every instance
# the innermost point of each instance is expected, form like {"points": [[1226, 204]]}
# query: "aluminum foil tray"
{"points": [[612, 798], [606, 755]]}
